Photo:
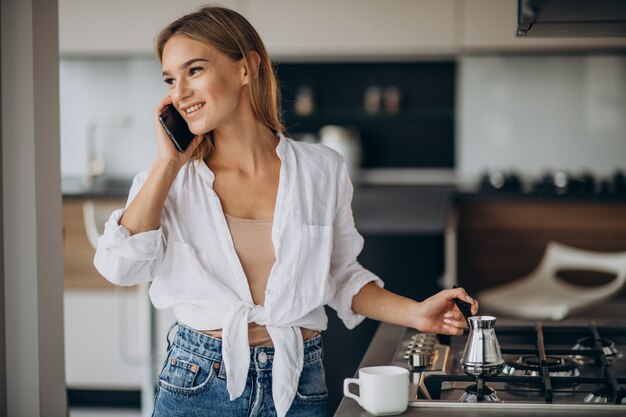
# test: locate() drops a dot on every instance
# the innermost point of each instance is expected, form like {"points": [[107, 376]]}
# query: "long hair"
{"points": [[231, 34]]}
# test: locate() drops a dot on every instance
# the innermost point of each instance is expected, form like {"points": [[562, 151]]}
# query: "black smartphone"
{"points": [[176, 127]]}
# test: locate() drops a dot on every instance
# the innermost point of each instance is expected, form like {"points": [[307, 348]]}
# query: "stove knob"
{"points": [[421, 359]]}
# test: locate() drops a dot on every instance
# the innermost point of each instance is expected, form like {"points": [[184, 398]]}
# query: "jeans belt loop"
{"points": [[167, 335]]}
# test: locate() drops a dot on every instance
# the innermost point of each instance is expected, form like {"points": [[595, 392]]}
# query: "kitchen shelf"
{"points": [[348, 115]]}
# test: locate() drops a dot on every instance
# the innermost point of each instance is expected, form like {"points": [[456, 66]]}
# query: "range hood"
{"points": [[576, 18]]}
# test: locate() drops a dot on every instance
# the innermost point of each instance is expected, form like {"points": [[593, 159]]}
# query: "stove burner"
{"points": [[531, 366], [471, 394], [602, 394], [589, 343]]}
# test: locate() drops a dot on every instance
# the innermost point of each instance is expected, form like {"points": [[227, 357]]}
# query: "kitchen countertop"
{"points": [[387, 337], [401, 210], [382, 348], [388, 210], [378, 209], [109, 188]]}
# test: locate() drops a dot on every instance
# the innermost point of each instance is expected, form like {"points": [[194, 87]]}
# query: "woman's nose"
{"points": [[180, 91]]}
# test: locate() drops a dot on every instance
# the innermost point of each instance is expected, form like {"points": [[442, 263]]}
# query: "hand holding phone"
{"points": [[176, 127]]}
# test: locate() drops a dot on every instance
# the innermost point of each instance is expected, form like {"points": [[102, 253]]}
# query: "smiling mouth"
{"points": [[194, 108]]}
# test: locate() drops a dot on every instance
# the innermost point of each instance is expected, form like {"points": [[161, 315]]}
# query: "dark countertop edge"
{"points": [[469, 196], [95, 196], [455, 195]]}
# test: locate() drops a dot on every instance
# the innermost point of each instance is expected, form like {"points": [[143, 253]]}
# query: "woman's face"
{"points": [[205, 85]]}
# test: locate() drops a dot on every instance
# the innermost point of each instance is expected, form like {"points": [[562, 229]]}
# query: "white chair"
{"points": [[543, 295], [95, 214]]}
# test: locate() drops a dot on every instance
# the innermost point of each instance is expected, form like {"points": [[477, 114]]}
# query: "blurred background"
{"points": [[470, 148]]}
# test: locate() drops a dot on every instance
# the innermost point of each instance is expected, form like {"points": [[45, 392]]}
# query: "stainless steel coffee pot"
{"points": [[482, 355]]}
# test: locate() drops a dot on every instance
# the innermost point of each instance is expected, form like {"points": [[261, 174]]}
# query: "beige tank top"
{"points": [[253, 244]]}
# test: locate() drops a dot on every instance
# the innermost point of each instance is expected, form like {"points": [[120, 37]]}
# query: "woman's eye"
{"points": [[169, 81], [194, 70]]}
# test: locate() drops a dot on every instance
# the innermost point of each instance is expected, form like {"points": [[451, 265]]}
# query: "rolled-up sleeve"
{"points": [[346, 272], [126, 259]]}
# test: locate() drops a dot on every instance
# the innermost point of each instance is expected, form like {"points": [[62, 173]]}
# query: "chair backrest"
{"points": [[558, 257], [95, 214]]}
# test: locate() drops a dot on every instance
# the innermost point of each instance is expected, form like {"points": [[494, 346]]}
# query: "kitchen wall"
{"points": [[533, 113], [530, 113], [94, 89]]}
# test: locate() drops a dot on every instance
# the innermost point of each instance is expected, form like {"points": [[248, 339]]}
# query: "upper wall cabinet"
{"points": [[491, 26], [305, 29], [119, 27], [330, 28], [289, 28]]}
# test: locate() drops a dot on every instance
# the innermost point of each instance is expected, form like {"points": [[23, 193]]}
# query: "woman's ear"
{"points": [[254, 61]]}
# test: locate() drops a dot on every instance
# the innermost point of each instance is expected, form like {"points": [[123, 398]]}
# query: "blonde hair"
{"points": [[231, 34]]}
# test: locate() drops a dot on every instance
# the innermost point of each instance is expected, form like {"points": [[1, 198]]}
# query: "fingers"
{"points": [[455, 323], [475, 307], [454, 315], [162, 104], [452, 331], [460, 293]]}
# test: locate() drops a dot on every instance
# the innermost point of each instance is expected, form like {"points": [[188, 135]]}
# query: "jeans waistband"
{"points": [[209, 347]]}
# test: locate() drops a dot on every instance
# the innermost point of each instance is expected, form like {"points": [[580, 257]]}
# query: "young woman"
{"points": [[246, 235]]}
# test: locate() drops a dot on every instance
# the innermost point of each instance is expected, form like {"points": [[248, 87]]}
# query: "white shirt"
{"points": [[194, 269]]}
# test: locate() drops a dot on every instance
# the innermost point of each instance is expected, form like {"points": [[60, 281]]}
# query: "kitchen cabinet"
{"points": [[491, 26], [104, 339], [321, 29], [78, 252], [355, 28], [118, 27], [114, 338], [288, 28]]}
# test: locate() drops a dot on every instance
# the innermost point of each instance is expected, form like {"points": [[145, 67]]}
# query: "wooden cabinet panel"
{"points": [[78, 253], [500, 241]]}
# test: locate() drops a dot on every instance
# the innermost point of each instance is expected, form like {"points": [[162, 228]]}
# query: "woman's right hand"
{"points": [[166, 151]]}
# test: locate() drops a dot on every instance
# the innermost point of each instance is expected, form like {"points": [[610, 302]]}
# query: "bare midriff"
{"points": [[252, 239], [258, 335]]}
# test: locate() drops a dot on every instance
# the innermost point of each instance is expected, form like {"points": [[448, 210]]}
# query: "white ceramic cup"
{"points": [[383, 390]]}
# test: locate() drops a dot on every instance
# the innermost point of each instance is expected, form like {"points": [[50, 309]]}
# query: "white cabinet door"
{"points": [[105, 339], [330, 28], [491, 26], [119, 27]]}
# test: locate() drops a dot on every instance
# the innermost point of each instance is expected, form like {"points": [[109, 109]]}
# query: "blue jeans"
{"points": [[192, 382]]}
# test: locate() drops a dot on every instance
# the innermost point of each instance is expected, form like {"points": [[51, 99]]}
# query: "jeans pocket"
{"points": [[312, 384], [186, 373]]}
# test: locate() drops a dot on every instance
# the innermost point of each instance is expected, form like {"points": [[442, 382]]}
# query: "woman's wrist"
{"points": [[168, 165], [414, 318]]}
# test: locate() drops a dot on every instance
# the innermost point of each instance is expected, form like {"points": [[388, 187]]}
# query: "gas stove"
{"points": [[569, 366]]}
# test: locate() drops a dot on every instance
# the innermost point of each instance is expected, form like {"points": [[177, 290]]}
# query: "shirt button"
{"points": [[262, 357]]}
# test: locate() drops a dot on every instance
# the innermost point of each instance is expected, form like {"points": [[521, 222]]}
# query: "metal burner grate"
{"points": [[549, 373]]}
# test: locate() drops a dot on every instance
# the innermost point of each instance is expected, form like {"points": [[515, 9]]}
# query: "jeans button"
{"points": [[262, 357]]}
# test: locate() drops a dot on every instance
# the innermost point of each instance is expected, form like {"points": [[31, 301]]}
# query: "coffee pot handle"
{"points": [[464, 307], [346, 389]]}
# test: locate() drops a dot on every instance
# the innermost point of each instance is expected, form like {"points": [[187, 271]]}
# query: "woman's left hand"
{"points": [[439, 313]]}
